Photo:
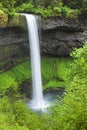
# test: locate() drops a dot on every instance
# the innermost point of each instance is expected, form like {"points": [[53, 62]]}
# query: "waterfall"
{"points": [[37, 96]]}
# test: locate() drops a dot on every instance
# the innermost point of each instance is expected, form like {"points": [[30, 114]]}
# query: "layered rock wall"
{"points": [[58, 36]]}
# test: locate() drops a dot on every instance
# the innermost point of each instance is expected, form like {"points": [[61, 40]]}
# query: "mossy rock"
{"points": [[3, 19], [17, 20]]}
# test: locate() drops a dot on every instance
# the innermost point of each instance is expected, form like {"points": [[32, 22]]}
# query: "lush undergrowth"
{"points": [[14, 76], [54, 73], [15, 115], [70, 113]]}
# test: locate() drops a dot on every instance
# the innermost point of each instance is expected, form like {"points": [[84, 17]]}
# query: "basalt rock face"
{"points": [[59, 43], [13, 42], [59, 37]]}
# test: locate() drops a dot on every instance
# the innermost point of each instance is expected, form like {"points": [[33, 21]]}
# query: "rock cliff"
{"points": [[58, 36]]}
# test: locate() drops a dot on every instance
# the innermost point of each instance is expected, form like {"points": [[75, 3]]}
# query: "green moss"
{"points": [[3, 19]]}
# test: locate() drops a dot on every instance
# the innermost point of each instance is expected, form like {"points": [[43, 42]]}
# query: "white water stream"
{"points": [[37, 96]]}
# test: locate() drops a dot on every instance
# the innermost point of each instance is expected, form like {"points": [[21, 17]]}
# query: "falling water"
{"points": [[37, 98]]}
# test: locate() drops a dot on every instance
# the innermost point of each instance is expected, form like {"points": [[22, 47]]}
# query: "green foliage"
{"points": [[66, 11], [45, 8], [71, 114], [29, 8], [78, 72], [46, 3], [15, 76], [76, 3], [67, 114], [19, 2], [44, 12], [25, 8], [54, 73], [17, 116], [51, 7], [57, 10], [7, 116], [9, 4]]}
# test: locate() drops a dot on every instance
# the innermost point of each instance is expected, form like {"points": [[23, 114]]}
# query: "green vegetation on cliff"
{"points": [[45, 8]]}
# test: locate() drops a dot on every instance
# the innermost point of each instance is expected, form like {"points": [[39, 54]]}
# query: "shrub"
{"points": [[66, 11], [25, 8], [57, 11], [8, 4], [71, 114], [79, 68]]}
